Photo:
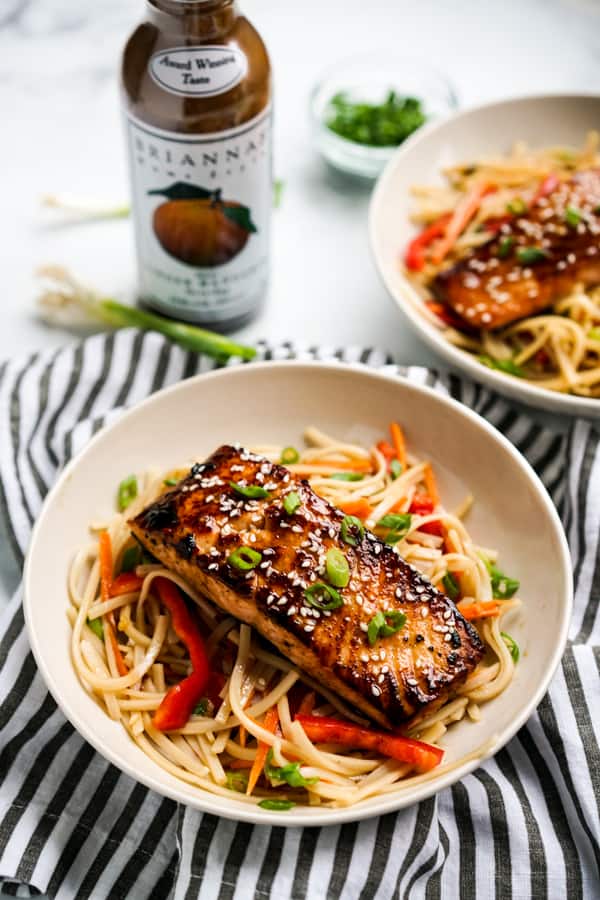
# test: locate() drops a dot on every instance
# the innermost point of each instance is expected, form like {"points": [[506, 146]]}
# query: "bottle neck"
{"points": [[200, 19]]}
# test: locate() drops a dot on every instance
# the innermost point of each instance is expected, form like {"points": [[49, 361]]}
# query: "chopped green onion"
{"points": [[505, 246], [66, 298], [384, 124], [398, 525], [503, 365], [395, 469], [347, 476], [201, 708], [276, 805], [97, 627], [503, 587], [378, 626], [352, 531], [517, 206], [237, 781], [131, 558], [323, 597], [572, 217], [336, 566], [170, 482], [250, 491], [512, 646], [291, 502], [127, 492], [594, 333], [531, 255], [451, 585], [244, 558], [289, 455], [290, 773]]}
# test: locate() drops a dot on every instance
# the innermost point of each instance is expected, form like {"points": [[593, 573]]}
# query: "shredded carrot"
{"points": [[270, 723], [240, 764], [361, 508], [399, 443], [308, 703], [109, 629], [352, 465], [431, 484], [462, 215], [242, 734], [106, 564], [483, 609]]}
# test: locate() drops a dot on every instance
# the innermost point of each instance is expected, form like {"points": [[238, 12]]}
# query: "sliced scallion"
{"points": [[451, 585], [336, 567], [512, 645], [531, 255], [97, 627], [291, 502], [505, 246], [289, 456], [250, 491], [572, 216], [322, 596], [244, 558], [277, 805], [379, 626], [395, 469], [352, 530], [127, 492], [517, 206]]}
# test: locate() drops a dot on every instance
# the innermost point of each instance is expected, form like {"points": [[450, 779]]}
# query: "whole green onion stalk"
{"points": [[69, 303]]}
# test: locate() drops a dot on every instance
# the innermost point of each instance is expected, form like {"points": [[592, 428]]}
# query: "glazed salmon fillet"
{"points": [[505, 279], [194, 528]]}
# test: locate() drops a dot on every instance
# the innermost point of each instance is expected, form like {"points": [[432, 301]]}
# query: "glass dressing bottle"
{"points": [[196, 87]]}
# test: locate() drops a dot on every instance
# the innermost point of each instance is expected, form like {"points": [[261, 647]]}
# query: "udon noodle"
{"points": [[216, 748]]}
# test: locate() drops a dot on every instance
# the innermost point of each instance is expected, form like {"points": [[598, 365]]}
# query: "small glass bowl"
{"points": [[369, 78]]}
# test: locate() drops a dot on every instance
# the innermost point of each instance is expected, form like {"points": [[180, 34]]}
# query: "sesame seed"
{"points": [[375, 690]]}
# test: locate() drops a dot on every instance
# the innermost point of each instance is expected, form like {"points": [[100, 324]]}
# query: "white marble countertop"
{"points": [[62, 132]]}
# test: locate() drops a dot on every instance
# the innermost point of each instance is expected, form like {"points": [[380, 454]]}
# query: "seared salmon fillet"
{"points": [[535, 259], [194, 529]]}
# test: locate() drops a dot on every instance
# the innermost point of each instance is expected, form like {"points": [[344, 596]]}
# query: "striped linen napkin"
{"points": [[524, 825]]}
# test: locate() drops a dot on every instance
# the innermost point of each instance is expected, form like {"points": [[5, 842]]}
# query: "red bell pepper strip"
{"points": [[178, 703], [126, 583], [548, 186], [422, 504], [415, 252], [322, 729]]}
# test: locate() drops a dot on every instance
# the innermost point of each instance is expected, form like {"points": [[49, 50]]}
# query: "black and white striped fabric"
{"points": [[524, 825]]}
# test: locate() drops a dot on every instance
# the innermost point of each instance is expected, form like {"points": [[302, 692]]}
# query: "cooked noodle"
{"points": [[212, 751], [558, 350]]}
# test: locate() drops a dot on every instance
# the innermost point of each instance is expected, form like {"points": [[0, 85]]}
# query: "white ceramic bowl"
{"points": [[483, 131], [273, 402]]}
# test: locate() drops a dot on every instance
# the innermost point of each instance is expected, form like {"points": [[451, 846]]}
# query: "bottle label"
{"points": [[201, 207], [198, 71]]}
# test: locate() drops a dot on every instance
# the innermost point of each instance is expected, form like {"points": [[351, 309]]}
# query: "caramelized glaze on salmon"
{"points": [[494, 284], [194, 528]]}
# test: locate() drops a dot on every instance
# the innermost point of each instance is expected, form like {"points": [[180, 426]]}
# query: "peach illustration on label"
{"points": [[198, 227]]}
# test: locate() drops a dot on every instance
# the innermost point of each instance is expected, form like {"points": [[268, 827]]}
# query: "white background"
{"points": [[61, 131]]}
